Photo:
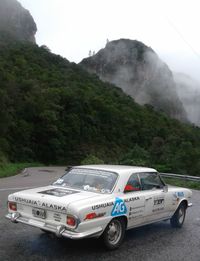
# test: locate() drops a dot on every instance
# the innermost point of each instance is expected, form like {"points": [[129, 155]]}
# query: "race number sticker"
{"points": [[158, 204], [119, 208]]}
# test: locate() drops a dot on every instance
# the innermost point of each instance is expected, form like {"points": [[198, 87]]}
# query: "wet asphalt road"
{"points": [[157, 242]]}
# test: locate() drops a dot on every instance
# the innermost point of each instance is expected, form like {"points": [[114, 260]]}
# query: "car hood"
{"points": [[51, 197]]}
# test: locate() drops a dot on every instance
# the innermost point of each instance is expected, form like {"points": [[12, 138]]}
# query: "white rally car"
{"points": [[100, 200]]}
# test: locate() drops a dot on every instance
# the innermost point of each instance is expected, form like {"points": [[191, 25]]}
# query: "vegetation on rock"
{"points": [[140, 73], [52, 111]]}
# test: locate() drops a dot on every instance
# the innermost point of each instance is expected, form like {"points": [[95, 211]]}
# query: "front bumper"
{"points": [[58, 230]]}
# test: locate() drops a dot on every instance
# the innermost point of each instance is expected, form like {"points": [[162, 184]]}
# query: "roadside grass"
{"points": [[182, 183], [11, 169]]}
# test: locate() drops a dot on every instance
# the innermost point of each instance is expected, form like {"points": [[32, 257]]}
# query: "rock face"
{"points": [[139, 72], [189, 93], [16, 22]]}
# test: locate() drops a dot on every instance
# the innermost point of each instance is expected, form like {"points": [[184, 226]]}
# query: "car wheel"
{"points": [[114, 233], [178, 218]]}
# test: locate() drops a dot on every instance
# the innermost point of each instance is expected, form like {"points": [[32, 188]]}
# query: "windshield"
{"points": [[88, 179]]}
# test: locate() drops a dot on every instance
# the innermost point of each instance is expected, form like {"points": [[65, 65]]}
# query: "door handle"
{"points": [[148, 198]]}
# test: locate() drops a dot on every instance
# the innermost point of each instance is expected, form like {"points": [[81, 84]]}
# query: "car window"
{"points": [[88, 179], [133, 184], [150, 181]]}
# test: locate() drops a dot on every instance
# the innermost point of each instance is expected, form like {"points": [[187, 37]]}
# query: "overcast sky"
{"points": [[73, 27]]}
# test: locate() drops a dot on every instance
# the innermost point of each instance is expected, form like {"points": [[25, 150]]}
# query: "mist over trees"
{"points": [[55, 112], [140, 73], [16, 22], [189, 93]]}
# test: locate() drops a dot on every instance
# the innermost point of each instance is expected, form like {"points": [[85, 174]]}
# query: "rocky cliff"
{"points": [[139, 72], [16, 23]]}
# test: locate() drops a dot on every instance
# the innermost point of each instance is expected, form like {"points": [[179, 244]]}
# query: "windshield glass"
{"points": [[88, 179]]}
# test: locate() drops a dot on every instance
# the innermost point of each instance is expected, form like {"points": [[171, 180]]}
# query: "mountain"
{"points": [[53, 111], [16, 23], [189, 93], [138, 71]]}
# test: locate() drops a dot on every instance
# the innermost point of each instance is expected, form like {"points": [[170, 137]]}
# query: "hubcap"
{"points": [[114, 232]]}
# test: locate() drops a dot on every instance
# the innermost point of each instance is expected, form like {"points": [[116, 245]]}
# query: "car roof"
{"points": [[120, 169]]}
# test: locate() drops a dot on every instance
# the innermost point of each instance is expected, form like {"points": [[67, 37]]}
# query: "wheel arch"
{"points": [[183, 201], [124, 218], [178, 217], [109, 233]]}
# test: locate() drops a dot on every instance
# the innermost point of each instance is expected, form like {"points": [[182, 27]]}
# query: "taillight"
{"points": [[71, 221], [12, 206], [91, 216]]}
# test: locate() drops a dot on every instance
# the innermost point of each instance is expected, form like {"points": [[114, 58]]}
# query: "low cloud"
{"points": [[188, 91]]}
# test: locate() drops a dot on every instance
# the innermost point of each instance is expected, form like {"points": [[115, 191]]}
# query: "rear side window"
{"points": [[150, 181], [133, 184]]}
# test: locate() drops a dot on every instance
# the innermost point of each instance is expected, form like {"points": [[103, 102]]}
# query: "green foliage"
{"points": [[52, 111], [91, 159], [136, 157], [163, 168], [3, 160]]}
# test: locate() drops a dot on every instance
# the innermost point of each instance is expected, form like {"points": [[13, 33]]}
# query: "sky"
{"points": [[72, 28]]}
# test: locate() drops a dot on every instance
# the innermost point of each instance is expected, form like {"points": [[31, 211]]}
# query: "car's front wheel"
{"points": [[178, 218], [114, 233]]}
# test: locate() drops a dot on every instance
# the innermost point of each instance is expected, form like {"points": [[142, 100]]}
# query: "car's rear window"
{"points": [[89, 179]]}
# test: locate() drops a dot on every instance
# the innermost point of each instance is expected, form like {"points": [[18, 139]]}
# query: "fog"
{"points": [[182, 62], [71, 28], [139, 72], [189, 93]]}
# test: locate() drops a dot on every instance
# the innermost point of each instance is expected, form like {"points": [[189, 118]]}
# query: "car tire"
{"points": [[178, 218], [114, 233]]}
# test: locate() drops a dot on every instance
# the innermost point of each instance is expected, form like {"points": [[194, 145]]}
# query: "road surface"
{"points": [[150, 243]]}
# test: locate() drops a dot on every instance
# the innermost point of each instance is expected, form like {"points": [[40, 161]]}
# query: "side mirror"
{"points": [[165, 189]]}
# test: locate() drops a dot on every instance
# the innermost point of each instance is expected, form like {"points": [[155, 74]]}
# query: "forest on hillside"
{"points": [[54, 112]]}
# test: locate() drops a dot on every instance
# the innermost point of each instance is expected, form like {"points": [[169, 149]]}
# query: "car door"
{"points": [[157, 200]]}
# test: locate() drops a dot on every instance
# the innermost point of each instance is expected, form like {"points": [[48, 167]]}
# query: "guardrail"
{"points": [[179, 176]]}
